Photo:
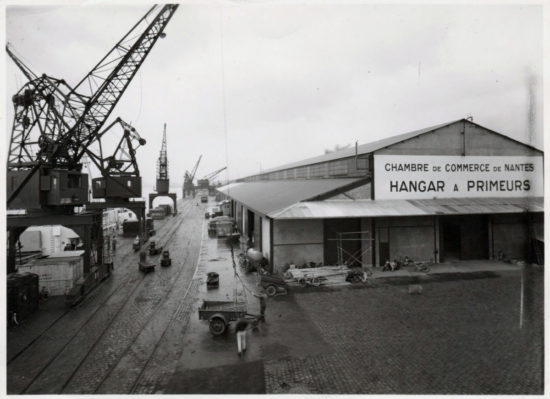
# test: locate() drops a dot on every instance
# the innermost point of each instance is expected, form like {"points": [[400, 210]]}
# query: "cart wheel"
{"points": [[271, 290], [217, 326], [303, 282], [316, 282]]}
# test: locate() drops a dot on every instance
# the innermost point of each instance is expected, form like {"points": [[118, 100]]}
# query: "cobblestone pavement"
{"points": [[80, 353], [460, 337]]}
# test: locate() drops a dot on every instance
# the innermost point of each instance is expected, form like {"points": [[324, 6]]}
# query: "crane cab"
{"points": [[116, 187], [48, 188]]}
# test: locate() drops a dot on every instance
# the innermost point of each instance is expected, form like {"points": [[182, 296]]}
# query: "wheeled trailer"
{"points": [[220, 313]]}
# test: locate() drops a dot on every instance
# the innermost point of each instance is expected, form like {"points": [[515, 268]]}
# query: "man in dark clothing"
{"points": [[263, 304]]}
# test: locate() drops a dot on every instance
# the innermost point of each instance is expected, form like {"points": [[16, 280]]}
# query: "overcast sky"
{"points": [[298, 79]]}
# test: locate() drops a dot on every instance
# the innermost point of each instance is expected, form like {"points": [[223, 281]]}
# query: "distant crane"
{"points": [[204, 183], [163, 181], [188, 186]]}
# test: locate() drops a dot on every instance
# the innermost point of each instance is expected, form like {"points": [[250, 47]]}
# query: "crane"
{"points": [[204, 183], [56, 124], [188, 186], [212, 175], [162, 167], [120, 172], [163, 181]]}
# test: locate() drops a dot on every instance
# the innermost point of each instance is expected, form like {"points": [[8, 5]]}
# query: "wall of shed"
{"points": [[408, 236], [266, 238], [450, 140], [297, 241], [510, 236]]}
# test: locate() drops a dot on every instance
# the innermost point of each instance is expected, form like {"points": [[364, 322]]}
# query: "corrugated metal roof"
{"points": [[366, 148], [367, 208], [267, 197]]}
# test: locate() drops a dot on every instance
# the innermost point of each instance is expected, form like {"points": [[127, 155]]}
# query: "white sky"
{"points": [[299, 78]]}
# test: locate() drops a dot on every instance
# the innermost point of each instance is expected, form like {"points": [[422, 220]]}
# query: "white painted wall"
{"points": [[266, 237]]}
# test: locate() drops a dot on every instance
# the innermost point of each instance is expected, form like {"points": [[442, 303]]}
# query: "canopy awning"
{"points": [[367, 208], [267, 197]]}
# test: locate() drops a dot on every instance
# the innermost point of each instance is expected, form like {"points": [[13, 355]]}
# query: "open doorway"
{"points": [[450, 233], [464, 237]]}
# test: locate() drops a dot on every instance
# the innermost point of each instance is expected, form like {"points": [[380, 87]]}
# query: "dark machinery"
{"points": [[163, 182], [153, 249], [120, 178], [205, 184], [165, 260], [212, 280], [144, 265], [55, 125], [188, 186]]}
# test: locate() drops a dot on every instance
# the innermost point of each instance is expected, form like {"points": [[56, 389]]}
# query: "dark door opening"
{"points": [[474, 233], [450, 231], [464, 237], [250, 227]]}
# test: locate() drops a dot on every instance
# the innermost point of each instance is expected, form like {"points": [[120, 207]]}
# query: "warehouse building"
{"points": [[456, 191]]}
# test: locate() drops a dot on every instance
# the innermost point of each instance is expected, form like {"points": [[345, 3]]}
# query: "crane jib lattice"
{"points": [[55, 124]]}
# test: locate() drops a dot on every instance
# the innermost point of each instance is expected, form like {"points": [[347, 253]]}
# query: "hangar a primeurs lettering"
{"points": [[430, 176]]}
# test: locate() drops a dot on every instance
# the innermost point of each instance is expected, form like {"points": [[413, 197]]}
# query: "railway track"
{"points": [[129, 278], [172, 284]]}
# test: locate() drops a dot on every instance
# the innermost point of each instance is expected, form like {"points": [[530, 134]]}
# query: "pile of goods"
{"points": [[317, 276]]}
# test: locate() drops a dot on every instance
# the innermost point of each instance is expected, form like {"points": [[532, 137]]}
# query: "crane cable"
{"points": [[224, 107]]}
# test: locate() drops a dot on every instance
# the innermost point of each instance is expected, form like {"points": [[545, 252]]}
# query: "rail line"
{"points": [[128, 278], [168, 326], [165, 241], [86, 300], [173, 283]]}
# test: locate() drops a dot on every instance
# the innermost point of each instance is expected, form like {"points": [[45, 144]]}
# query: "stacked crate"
{"points": [[57, 273]]}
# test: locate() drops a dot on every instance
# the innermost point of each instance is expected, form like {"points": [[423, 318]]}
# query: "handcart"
{"points": [[220, 313]]}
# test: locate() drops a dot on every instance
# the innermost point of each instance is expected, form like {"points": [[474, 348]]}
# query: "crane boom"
{"points": [[54, 124], [113, 86], [215, 173], [195, 168], [29, 74]]}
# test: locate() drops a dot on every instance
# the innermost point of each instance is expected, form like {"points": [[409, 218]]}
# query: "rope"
{"points": [[224, 100], [238, 277]]}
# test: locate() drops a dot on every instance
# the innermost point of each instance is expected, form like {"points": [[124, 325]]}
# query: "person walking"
{"points": [[263, 304], [240, 330]]}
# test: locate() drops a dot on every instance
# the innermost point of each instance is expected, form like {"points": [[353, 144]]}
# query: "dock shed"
{"points": [[451, 192]]}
